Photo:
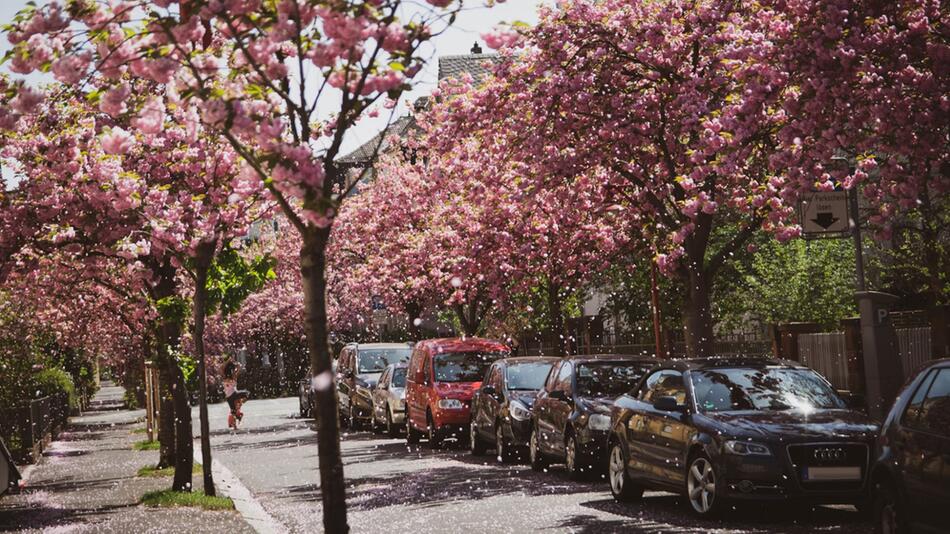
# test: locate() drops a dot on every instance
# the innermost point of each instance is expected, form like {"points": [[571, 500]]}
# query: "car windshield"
{"points": [[375, 360], [527, 375], [463, 366], [399, 377], [769, 388], [608, 379]]}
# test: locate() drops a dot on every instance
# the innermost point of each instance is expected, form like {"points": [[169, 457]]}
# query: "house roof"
{"points": [[367, 150], [477, 65]]}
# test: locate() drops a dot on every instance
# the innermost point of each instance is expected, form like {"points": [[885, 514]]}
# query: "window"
{"points": [[398, 377], [608, 379], [495, 379], [527, 376], [463, 366], [725, 389], [552, 377], [917, 401], [564, 378], [416, 371], [375, 360], [666, 383], [934, 413]]}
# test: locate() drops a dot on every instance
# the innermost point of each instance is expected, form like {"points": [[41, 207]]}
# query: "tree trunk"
{"points": [[205, 254], [556, 315], [699, 332], [468, 318], [166, 428], [332, 488]]}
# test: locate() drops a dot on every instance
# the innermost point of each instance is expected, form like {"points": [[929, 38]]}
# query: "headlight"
{"points": [[519, 412], [450, 404], [599, 422], [746, 448]]}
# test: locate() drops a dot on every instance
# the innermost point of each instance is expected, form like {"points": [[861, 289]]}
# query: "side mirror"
{"points": [[488, 390], [559, 394], [348, 373], [668, 404]]}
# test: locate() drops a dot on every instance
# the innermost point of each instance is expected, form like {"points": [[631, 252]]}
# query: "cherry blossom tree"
{"points": [[299, 75], [707, 116]]}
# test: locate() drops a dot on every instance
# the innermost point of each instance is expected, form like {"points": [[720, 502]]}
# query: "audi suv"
{"points": [[748, 429]]}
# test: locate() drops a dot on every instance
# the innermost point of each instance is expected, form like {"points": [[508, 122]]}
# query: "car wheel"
{"points": [[412, 435], [475, 444], [574, 459], [888, 513], [377, 426], [345, 421], [621, 486], [434, 438], [535, 456], [502, 448], [390, 427], [701, 489]]}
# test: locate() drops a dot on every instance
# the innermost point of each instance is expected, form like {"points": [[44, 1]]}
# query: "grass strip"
{"points": [[145, 445], [152, 471], [169, 498]]}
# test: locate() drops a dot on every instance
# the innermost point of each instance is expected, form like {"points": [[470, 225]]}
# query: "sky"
{"points": [[458, 39]]}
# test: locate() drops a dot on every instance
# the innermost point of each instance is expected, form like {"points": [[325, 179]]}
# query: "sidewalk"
{"points": [[86, 482]]}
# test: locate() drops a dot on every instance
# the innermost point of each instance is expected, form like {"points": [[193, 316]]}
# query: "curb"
{"points": [[250, 509]]}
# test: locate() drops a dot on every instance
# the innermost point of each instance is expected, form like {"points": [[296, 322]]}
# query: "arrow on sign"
{"points": [[825, 219]]}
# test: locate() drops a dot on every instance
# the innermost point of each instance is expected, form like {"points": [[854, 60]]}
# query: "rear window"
{"points": [[463, 366], [608, 379]]}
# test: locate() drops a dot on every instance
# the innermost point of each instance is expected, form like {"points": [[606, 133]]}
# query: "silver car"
{"points": [[389, 400]]}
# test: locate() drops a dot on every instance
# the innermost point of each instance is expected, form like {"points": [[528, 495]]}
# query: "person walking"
{"points": [[234, 396]]}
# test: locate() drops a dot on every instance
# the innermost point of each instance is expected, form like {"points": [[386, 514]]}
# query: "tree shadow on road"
{"points": [[669, 513]]}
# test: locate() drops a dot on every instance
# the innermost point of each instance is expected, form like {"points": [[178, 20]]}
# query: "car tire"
{"points": [[702, 492], [345, 421], [622, 487], [475, 444], [432, 434], [574, 459], [503, 449], [412, 435], [391, 428], [377, 426], [889, 517], [535, 455]]}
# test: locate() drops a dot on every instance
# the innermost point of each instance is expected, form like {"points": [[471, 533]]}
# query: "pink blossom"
{"points": [[117, 141], [113, 101], [151, 118]]}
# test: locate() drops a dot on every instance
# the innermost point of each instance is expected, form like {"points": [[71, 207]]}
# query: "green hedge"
{"points": [[50, 381]]}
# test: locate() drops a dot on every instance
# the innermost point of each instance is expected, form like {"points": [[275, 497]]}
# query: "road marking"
{"points": [[245, 503]]}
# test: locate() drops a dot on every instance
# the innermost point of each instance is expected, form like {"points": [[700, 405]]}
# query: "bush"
{"points": [[50, 381]]}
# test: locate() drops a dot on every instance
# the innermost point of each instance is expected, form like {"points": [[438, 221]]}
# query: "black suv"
{"points": [[502, 407], [572, 412], [911, 476], [759, 429]]}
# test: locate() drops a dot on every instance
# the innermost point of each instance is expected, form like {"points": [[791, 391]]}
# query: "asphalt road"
{"points": [[395, 488]]}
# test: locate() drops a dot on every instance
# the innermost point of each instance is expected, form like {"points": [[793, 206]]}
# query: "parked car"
{"points": [[572, 411], [389, 400], [443, 375], [911, 476], [502, 407], [753, 429], [358, 369]]}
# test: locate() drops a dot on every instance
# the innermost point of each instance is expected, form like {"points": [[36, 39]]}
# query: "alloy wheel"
{"points": [[701, 485], [616, 469]]}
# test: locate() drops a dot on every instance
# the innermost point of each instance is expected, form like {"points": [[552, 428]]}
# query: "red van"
{"points": [[443, 375]]}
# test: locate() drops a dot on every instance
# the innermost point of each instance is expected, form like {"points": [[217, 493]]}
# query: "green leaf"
{"points": [[397, 66]]}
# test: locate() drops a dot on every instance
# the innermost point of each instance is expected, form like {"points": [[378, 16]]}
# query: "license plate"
{"points": [[831, 473]]}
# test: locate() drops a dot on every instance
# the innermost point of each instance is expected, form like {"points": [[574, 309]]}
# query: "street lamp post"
{"points": [[883, 373]]}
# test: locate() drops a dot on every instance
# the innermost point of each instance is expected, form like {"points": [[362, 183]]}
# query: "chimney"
{"points": [[476, 49]]}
